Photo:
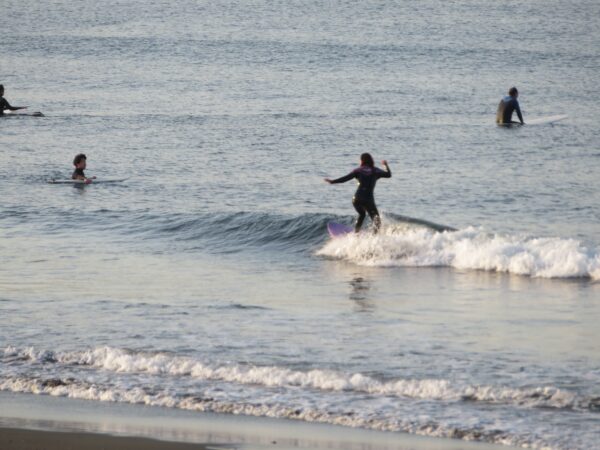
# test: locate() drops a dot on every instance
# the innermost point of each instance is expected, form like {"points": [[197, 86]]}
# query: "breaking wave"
{"points": [[129, 362], [314, 395], [403, 241], [470, 248]]}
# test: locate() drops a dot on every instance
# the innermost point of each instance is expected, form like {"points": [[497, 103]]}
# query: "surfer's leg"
{"points": [[374, 215], [361, 215]]}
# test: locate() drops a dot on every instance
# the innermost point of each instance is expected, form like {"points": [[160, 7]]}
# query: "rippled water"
{"points": [[207, 282]]}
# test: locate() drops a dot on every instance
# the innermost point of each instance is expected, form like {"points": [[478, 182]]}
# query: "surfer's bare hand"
{"points": [[384, 162], [328, 180]]}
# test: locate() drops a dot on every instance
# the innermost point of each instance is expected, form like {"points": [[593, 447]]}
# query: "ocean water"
{"points": [[207, 281]]}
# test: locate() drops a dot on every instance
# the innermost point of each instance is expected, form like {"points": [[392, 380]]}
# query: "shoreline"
{"points": [[30, 421], [27, 439]]}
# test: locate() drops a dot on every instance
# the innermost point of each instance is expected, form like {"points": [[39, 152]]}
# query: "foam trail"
{"points": [[470, 248]]}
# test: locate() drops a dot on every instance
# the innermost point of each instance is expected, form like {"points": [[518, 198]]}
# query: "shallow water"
{"points": [[207, 282]]}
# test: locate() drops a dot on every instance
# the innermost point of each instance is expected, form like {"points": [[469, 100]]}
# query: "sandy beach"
{"points": [[21, 439]]}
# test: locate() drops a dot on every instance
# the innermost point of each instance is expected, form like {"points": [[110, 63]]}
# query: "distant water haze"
{"points": [[207, 280]]}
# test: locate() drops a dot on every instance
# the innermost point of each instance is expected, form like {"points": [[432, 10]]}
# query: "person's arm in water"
{"points": [[79, 175], [342, 179], [518, 109], [6, 105]]}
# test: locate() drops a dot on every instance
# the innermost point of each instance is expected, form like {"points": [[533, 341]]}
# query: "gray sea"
{"points": [[207, 280]]}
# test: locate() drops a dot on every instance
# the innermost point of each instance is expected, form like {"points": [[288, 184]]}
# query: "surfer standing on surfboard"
{"points": [[5, 105], [79, 162], [364, 202], [507, 106]]}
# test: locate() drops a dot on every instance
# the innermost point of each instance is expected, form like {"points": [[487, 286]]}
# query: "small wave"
{"points": [[126, 361], [250, 229], [470, 248], [136, 395]]}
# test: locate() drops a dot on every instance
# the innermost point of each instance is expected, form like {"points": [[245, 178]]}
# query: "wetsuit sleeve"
{"points": [[5, 105], [518, 109], [384, 173], [344, 178]]}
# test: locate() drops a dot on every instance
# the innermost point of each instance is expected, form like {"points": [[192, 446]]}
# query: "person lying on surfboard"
{"points": [[507, 106], [364, 201], [5, 105], [79, 162]]}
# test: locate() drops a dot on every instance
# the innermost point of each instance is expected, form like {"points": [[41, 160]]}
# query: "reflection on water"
{"points": [[359, 293]]}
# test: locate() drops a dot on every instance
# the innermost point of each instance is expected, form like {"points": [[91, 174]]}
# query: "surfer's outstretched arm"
{"points": [[387, 173], [343, 179], [6, 105]]}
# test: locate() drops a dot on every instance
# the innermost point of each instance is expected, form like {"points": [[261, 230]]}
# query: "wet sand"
{"points": [[21, 439], [39, 422]]}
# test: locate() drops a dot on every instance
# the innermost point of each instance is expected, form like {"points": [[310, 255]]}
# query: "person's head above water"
{"points": [[1, 90], [79, 161], [366, 160], [513, 92]]}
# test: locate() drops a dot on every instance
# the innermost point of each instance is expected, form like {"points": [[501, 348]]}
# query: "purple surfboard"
{"points": [[337, 229]]}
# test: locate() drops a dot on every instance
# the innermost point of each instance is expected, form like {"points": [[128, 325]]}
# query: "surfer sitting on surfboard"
{"points": [[507, 106], [79, 162], [5, 105], [364, 202]]}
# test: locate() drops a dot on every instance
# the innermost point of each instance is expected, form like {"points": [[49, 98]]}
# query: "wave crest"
{"points": [[470, 248]]}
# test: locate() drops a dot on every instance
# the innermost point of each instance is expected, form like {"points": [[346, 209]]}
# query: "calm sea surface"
{"points": [[207, 281]]}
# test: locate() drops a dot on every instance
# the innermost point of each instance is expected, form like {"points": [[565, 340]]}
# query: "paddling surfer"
{"points": [[80, 163], [4, 103], [364, 201], [507, 106]]}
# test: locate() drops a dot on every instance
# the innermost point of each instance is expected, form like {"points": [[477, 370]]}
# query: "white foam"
{"points": [[418, 425], [470, 248], [124, 361]]}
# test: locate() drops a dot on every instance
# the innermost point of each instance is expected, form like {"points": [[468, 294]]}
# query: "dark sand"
{"points": [[20, 439]]}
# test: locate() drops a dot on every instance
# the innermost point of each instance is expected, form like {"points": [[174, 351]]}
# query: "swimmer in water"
{"points": [[507, 106], [5, 105], [80, 163]]}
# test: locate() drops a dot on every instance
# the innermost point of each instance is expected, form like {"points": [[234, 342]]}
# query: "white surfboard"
{"points": [[20, 113], [99, 181], [538, 121], [545, 120]]}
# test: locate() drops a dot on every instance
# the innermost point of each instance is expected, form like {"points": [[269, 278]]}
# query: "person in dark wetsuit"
{"points": [[507, 106], [5, 105], [80, 163], [364, 202]]}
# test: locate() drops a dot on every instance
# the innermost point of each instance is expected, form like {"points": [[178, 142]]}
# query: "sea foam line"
{"points": [[422, 426], [125, 361], [470, 248]]}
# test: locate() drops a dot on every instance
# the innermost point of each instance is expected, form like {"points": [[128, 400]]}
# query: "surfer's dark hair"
{"points": [[1, 87], [512, 91], [366, 160], [78, 159]]}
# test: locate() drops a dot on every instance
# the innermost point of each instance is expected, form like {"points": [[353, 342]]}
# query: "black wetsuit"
{"points": [[5, 105], [364, 200], [505, 110], [77, 173]]}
